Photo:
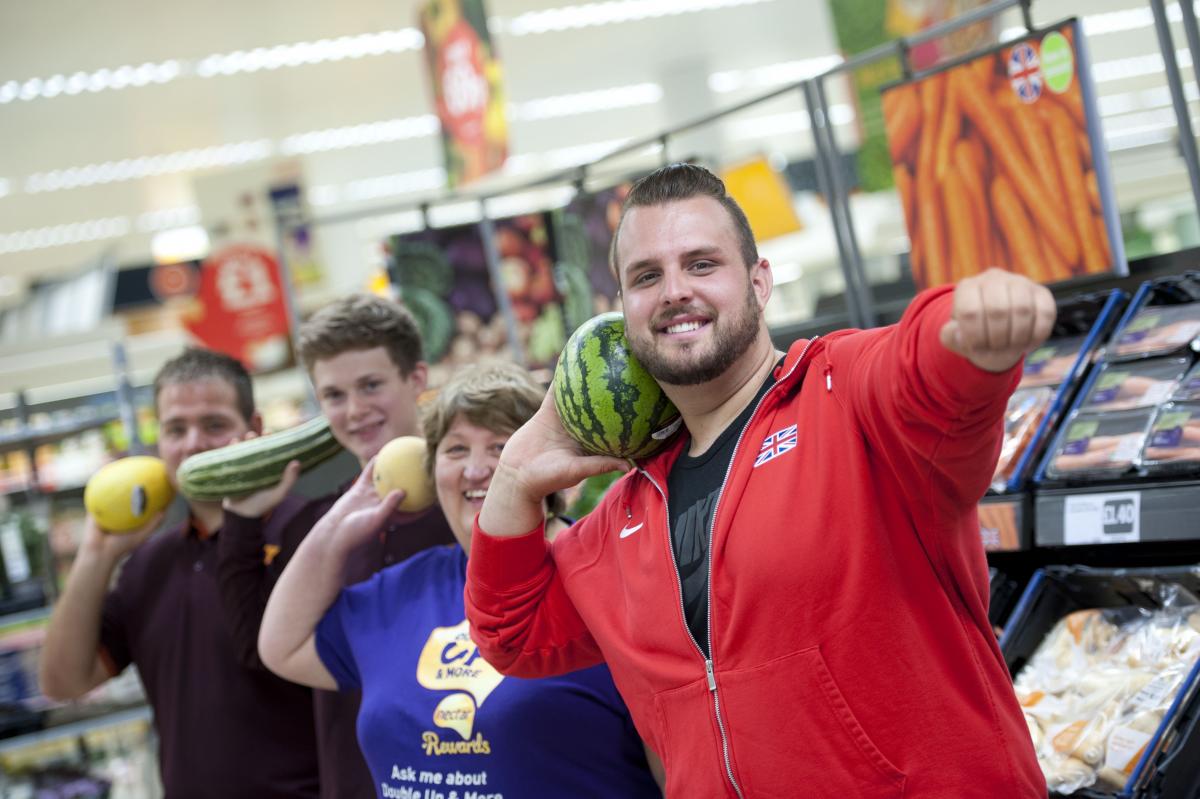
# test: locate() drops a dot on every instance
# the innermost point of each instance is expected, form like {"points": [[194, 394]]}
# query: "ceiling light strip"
{"points": [[58, 235]]}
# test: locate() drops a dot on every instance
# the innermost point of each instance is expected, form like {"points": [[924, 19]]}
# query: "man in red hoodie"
{"points": [[792, 596]]}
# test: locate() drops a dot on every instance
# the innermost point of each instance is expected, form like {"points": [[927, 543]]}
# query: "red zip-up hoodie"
{"points": [[851, 654]]}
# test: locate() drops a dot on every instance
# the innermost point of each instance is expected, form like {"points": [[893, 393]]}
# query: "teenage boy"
{"points": [[363, 354], [792, 596], [224, 731]]}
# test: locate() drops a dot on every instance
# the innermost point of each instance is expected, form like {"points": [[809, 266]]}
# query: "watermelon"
{"points": [[606, 400]]}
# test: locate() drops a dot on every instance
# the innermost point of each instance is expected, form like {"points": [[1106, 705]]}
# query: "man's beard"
{"points": [[728, 344]]}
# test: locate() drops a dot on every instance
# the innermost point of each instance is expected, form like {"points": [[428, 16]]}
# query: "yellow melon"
{"points": [[127, 493], [401, 465]]}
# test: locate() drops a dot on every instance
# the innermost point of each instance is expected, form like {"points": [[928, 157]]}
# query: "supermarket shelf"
{"points": [[1004, 522], [1118, 513], [24, 617], [21, 494], [35, 437], [74, 728]]}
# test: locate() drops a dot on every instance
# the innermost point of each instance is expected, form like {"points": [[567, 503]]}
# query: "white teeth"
{"points": [[683, 327], [475, 494]]}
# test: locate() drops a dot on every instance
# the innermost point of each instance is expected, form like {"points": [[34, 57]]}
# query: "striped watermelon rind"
{"points": [[606, 400]]}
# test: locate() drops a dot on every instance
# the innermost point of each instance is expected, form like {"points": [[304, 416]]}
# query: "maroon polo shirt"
{"points": [[225, 731], [249, 567]]}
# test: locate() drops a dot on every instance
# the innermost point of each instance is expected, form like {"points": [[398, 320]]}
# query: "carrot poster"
{"points": [[999, 161]]}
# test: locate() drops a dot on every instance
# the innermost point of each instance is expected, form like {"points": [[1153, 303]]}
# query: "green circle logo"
{"points": [[1058, 62]]}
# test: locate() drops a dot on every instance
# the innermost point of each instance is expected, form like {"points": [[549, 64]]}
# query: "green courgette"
{"points": [[249, 466]]}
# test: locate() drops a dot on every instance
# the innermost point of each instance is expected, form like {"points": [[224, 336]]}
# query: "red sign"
{"points": [[240, 308]]}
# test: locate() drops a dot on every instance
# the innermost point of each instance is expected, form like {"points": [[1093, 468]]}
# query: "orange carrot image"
{"points": [[1018, 232], [932, 233], [960, 222], [902, 118], [1028, 126], [1062, 130], [1093, 190], [931, 103], [973, 183], [1102, 238], [948, 129], [903, 181], [1004, 147]]}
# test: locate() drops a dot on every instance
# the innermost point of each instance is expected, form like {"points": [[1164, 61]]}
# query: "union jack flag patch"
{"points": [[775, 445]]}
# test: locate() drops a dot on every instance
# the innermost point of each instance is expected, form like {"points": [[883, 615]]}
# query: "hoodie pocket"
{"points": [[691, 743], [793, 734]]}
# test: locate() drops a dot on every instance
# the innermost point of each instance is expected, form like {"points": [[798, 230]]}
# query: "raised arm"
{"points": [[243, 574], [521, 617], [71, 664], [312, 580]]}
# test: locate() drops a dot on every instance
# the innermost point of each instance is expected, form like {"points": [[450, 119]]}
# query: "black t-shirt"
{"points": [[692, 490]]}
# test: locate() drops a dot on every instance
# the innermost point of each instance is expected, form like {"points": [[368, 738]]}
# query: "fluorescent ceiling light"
{"points": [[590, 15], [390, 130], [168, 218], [772, 75], [59, 235], [179, 244], [564, 105], [375, 43], [150, 166]]}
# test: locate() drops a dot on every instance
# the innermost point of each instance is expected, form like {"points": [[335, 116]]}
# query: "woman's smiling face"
{"points": [[464, 462]]}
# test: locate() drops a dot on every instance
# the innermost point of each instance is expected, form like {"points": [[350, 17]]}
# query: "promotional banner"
{"points": [[583, 234], [863, 24], [999, 161], [468, 88], [239, 308], [764, 196], [444, 280]]}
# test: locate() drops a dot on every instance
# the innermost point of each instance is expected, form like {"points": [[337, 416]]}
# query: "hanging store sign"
{"points": [[468, 91], [239, 308]]}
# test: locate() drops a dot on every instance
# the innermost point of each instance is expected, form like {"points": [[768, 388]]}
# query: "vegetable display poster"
{"points": [[583, 233], [999, 161], [444, 280], [468, 88], [863, 24]]}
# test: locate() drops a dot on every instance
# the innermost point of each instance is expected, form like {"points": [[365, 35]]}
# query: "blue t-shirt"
{"points": [[436, 716]]}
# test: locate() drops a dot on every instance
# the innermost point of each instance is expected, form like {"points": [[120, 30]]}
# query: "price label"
{"points": [[1102, 518]]}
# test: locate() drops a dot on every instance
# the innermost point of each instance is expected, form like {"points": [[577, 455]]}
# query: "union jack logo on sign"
{"points": [[775, 445], [1025, 73]]}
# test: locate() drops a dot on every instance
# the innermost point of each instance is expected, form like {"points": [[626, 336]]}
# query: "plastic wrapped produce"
{"points": [[1050, 364], [1026, 408], [1098, 687], [1158, 330], [1189, 388], [1144, 384], [1100, 446], [1174, 440]]}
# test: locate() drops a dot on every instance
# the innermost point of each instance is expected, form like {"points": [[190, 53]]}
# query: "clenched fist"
{"points": [[997, 318]]}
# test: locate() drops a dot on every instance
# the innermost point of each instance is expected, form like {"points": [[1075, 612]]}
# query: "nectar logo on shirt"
{"points": [[450, 661]]}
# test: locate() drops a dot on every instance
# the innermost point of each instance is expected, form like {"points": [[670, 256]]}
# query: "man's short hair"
{"points": [[675, 182], [361, 322], [196, 363]]}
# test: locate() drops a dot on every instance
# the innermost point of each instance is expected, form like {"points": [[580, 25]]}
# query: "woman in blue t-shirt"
{"points": [[436, 719]]}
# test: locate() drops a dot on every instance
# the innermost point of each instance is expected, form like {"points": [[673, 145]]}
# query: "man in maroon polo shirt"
{"points": [[225, 731], [363, 354]]}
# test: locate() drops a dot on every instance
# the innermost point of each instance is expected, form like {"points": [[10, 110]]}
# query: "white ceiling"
{"points": [[673, 55]]}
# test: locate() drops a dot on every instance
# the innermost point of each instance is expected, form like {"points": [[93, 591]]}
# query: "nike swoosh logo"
{"points": [[627, 531]]}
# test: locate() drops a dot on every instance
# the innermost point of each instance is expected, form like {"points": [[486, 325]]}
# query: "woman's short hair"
{"points": [[497, 396]]}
